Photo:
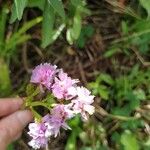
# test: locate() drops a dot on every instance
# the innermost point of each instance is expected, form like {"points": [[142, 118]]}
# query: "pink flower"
{"points": [[62, 112], [62, 84], [62, 87], [82, 103], [59, 114], [43, 75], [50, 125], [37, 132]]}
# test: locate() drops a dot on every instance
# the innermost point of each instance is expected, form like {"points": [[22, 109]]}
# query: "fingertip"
{"points": [[12, 125], [10, 105], [24, 116], [18, 101], [17, 136]]}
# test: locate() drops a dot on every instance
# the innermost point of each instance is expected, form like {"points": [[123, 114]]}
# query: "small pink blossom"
{"points": [[59, 114], [82, 103], [84, 95], [62, 112], [43, 74], [37, 132], [62, 84]]}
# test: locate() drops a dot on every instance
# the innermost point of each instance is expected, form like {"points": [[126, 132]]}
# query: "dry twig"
{"points": [[140, 58]]}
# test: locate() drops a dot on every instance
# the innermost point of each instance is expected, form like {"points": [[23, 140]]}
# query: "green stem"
{"points": [[33, 104]]}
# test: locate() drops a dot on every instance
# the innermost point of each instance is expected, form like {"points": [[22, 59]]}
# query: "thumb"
{"points": [[12, 125]]}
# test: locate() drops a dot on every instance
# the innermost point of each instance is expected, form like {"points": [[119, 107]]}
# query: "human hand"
{"points": [[12, 120]]}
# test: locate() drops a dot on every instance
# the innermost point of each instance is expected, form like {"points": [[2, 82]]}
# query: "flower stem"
{"points": [[33, 104]]}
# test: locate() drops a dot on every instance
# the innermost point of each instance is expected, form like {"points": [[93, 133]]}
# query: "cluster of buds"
{"points": [[71, 100]]}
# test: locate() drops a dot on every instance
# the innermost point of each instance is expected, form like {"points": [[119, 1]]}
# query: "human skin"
{"points": [[12, 120]]}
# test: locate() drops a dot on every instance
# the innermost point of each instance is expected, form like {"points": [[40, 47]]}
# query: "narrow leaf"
{"points": [[22, 30]]}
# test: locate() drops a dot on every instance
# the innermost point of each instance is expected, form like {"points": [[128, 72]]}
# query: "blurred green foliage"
{"points": [[125, 93], [52, 10]]}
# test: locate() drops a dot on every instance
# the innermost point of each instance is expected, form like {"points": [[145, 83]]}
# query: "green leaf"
{"points": [[129, 141], [5, 82], [134, 72], [10, 45], [140, 94], [89, 30], [146, 6], [20, 5], [13, 14], [17, 9], [58, 7], [74, 122], [18, 36], [81, 41], [69, 37], [47, 25], [86, 32], [28, 25], [49, 99], [36, 3], [76, 2], [132, 98], [73, 32], [111, 51], [107, 78], [132, 124], [115, 137], [58, 32], [140, 26], [103, 92], [122, 111], [124, 26]]}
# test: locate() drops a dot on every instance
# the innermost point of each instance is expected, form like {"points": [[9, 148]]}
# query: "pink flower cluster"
{"points": [[77, 100]]}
